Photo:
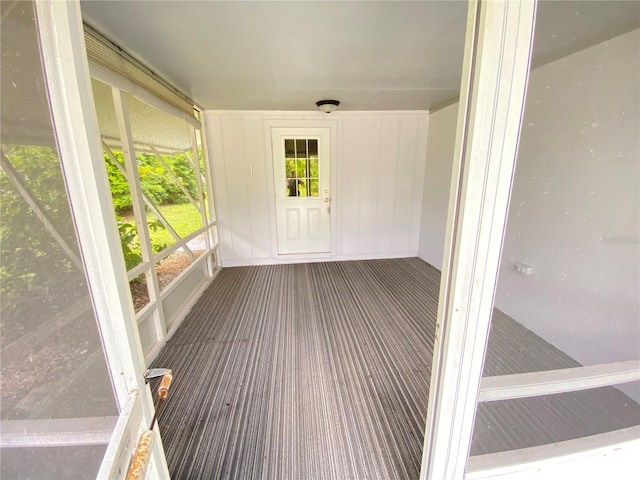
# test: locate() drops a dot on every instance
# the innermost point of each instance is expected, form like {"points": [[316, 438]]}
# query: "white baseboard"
{"points": [[288, 259]]}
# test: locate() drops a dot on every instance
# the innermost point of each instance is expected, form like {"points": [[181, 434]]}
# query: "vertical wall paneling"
{"points": [[378, 162], [349, 171], [239, 209], [257, 188], [389, 141], [419, 180], [405, 176], [369, 172], [219, 179]]}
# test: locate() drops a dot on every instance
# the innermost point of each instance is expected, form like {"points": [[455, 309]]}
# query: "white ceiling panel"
{"points": [[352, 62], [274, 55]]}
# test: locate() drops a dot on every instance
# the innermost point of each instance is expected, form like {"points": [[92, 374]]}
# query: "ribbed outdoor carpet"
{"points": [[321, 371]]}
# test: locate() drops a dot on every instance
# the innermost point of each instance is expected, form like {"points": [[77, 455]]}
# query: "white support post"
{"points": [[198, 174], [137, 201], [203, 200], [213, 266], [495, 72]]}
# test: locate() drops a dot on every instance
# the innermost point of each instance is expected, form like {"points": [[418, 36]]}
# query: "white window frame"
{"points": [[495, 73], [153, 312]]}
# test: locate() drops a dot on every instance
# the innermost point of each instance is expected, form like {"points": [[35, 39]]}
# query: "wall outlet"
{"points": [[524, 269]]}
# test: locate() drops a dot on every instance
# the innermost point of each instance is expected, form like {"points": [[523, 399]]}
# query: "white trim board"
{"points": [[548, 382], [289, 259], [495, 72], [314, 114], [608, 455]]}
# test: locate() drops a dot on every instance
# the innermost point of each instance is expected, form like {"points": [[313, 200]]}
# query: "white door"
{"points": [[303, 190]]}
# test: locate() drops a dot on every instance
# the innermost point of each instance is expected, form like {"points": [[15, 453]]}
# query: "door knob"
{"points": [[326, 200]]}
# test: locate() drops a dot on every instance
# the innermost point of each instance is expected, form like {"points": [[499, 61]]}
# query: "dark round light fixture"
{"points": [[328, 106]]}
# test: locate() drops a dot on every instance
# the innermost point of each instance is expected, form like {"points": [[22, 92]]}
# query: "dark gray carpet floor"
{"points": [[321, 371]]}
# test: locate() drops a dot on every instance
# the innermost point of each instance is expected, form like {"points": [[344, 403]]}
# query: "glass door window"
{"points": [[301, 165]]}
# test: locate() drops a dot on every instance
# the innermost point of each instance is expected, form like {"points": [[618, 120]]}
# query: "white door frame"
{"points": [[67, 76], [495, 72], [321, 203], [299, 122]]}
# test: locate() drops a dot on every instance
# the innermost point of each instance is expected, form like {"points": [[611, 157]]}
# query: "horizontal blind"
{"points": [[103, 52]]}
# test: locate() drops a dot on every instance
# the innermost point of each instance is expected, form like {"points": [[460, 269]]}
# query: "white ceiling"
{"points": [[389, 55]]}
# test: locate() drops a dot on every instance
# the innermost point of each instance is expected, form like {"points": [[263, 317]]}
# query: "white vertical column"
{"points": [[495, 72], [212, 231]]}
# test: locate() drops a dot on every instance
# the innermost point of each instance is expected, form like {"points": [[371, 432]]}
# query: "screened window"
{"points": [[54, 379]]}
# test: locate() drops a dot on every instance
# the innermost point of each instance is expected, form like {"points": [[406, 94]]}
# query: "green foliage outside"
{"points": [[184, 219], [307, 172], [32, 263], [156, 182], [131, 242], [119, 186], [162, 190]]}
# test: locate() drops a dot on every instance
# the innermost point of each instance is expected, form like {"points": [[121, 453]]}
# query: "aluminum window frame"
{"points": [[74, 119], [153, 310]]}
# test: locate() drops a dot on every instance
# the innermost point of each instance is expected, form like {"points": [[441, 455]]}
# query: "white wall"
{"points": [[437, 182], [377, 179], [575, 206]]}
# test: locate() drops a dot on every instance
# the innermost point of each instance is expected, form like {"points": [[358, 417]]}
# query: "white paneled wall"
{"points": [[377, 182]]}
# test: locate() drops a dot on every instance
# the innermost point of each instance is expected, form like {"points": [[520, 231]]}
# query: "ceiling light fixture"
{"points": [[328, 106]]}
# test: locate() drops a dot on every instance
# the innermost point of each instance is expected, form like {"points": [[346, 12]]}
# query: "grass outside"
{"points": [[183, 217]]}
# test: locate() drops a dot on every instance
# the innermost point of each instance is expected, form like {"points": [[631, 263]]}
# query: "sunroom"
{"points": [[437, 280]]}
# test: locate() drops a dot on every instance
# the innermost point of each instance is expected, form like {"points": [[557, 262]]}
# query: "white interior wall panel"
{"points": [[213, 134], [147, 331], [348, 188], [574, 206], [389, 143], [575, 210], [409, 181], [233, 146], [368, 183], [376, 195], [257, 182], [437, 182]]}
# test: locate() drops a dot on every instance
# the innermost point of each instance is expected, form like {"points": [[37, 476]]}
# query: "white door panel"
{"points": [[303, 191]]}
